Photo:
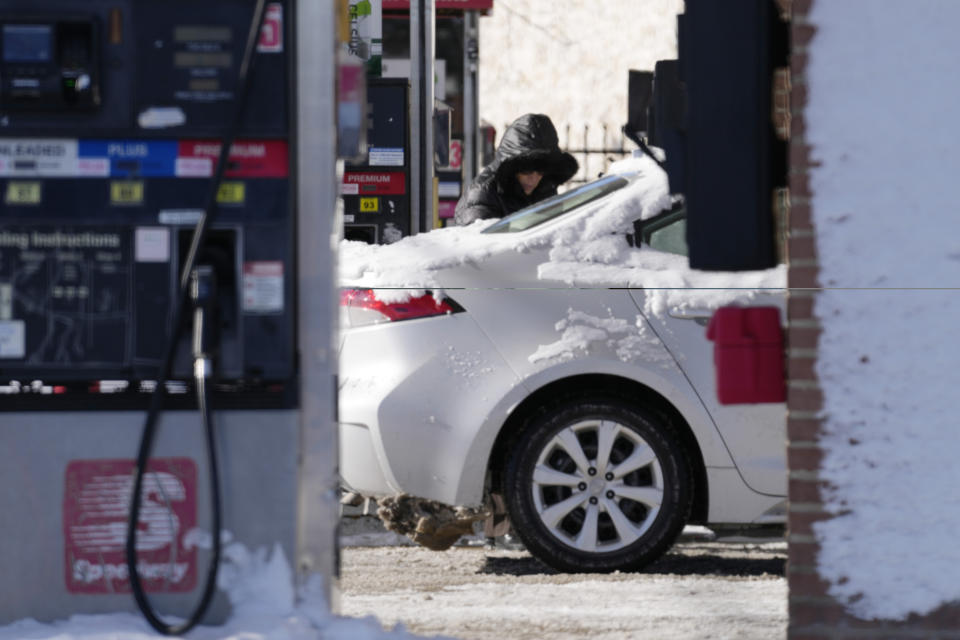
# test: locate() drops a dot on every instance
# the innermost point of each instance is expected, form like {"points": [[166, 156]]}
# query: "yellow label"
{"points": [[232, 193], [23, 193], [126, 192], [343, 21], [370, 205]]}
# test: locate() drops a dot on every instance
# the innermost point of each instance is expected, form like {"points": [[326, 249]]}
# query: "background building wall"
{"points": [[569, 59]]}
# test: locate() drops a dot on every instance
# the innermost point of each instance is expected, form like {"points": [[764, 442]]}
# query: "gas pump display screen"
{"points": [[27, 43]]}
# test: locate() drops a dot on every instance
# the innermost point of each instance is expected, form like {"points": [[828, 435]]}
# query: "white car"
{"points": [[553, 358]]}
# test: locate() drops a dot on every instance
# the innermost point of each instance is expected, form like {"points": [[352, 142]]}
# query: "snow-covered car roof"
{"points": [[584, 247]]}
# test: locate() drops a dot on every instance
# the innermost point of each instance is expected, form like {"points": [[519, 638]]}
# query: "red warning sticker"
{"points": [[96, 501], [271, 34], [263, 286]]}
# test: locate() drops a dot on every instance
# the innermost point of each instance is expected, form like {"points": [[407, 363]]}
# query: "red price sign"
{"points": [[456, 154], [271, 34]]}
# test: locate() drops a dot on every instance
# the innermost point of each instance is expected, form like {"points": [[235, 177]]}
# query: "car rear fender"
{"points": [[507, 416]]}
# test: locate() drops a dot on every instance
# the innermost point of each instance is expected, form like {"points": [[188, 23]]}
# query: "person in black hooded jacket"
{"points": [[528, 167]]}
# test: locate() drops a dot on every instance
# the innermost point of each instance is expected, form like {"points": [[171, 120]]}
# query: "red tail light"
{"points": [[363, 307]]}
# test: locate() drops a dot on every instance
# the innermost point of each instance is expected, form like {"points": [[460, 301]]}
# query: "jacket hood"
{"points": [[531, 143]]}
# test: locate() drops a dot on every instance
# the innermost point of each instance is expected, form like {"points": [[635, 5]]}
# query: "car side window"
{"points": [[667, 232], [557, 205], [671, 238]]}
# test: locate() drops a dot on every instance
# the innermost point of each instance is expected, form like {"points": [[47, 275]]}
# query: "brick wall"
{"points": [[808, 605], [813, 612]]}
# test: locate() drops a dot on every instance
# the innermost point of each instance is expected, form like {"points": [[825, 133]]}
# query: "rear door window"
{"points": [[557, 205]]}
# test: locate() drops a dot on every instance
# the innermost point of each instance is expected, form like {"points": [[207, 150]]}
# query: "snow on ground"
{"points": [[885, 212], [735, 589], [700, 589], [259, 586]]}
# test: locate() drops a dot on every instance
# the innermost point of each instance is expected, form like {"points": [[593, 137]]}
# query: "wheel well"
{"points": [[623, 388]]}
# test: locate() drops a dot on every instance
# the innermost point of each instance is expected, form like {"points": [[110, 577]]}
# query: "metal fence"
{"points": [[594, 156]]}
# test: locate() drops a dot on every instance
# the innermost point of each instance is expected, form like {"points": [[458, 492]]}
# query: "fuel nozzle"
{"points": [[203, 294]]}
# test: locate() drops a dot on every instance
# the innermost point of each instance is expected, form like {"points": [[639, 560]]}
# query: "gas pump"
{"points": [[167, 174], [376, 187]]}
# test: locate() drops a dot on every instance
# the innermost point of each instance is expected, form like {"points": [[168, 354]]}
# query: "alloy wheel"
{"points": [[597, 486]]}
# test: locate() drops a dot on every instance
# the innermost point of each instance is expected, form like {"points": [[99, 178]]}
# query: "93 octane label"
{"points": [[232, 193], [370, 205]]}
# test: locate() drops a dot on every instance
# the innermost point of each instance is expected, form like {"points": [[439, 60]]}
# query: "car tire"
{"points": [[597, 484]]}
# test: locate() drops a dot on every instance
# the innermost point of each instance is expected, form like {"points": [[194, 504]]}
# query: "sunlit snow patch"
{"points": [[579, 331]]}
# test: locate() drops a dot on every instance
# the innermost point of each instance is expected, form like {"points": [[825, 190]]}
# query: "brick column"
{"points": [[813, 613], [809, 607]]}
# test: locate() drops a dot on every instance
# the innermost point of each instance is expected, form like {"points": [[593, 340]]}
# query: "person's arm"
{"points": [[479, 202], [468, 211]]}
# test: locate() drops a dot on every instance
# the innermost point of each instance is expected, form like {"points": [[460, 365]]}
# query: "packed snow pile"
{"points": [[585, 251], [890, 260], [668, 281], [259, 585], [410, 265]]}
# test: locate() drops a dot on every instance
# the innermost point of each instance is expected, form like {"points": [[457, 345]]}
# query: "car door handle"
{"points": [[700, 316]]}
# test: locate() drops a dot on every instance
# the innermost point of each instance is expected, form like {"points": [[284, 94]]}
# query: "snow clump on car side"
{"points": [[582, 331]]}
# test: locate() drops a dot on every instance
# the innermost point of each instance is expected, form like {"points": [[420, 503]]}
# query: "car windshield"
{"points": [[557, 205]]}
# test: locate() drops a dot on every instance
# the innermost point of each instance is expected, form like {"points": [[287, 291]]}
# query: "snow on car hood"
{"points": [[407, 268], [584, 249]]}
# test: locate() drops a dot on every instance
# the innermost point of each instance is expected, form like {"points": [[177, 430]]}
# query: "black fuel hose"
{"points": [[203, 391]]}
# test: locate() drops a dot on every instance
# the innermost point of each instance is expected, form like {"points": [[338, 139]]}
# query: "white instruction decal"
{"points": [[12, 339], [161, 117], [152, 244], [263, 287], [386, 157], [179, 216]]}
